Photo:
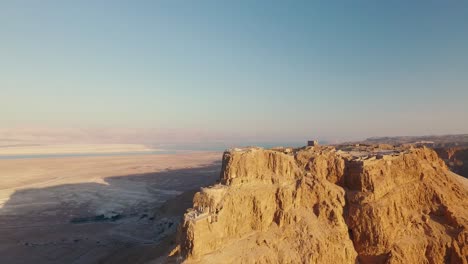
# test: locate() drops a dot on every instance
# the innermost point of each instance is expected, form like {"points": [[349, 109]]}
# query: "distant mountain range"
{"points": [[440, 140]]}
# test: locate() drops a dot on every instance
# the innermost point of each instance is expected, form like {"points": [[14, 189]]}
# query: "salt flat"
{"points": [[81, 209]]}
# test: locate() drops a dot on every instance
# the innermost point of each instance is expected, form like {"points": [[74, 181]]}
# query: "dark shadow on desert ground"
{"points": [[126, 219]]}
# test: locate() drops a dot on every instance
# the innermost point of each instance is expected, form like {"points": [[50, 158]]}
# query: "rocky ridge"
{"points": [[325, 205]]}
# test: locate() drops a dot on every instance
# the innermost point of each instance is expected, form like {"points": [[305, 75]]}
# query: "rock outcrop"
{"points": [[323, 205], [456, 158]]}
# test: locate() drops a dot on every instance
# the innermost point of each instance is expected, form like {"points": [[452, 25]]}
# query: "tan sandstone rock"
{"points": [[322, 205]]}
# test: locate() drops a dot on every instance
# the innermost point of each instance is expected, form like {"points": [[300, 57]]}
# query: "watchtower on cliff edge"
{"points": [[312, 143]]}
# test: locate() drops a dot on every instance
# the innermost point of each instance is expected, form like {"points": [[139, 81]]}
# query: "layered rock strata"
{"points": [[323, 205]]}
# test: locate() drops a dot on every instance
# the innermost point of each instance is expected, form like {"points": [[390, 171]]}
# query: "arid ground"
{"points": [[18, 149], [96, 209]]}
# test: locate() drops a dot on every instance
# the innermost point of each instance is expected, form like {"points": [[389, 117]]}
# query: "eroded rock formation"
{"points": [[456, 158], [323, 205]]}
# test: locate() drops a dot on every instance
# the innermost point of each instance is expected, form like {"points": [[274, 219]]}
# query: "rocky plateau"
{"points": [[323, 204]]}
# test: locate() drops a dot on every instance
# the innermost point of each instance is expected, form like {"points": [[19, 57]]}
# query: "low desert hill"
{"points": [[349, 204]]}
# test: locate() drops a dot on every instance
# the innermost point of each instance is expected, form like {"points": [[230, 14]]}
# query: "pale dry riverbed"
{"points": [[91, 209]]}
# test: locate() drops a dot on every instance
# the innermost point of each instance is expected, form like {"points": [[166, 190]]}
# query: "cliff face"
{"points": [[322, 205], [407, 209], [456, 158]]}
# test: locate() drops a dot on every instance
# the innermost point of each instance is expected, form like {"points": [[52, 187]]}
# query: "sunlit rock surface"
{"points": [[366, 204]]}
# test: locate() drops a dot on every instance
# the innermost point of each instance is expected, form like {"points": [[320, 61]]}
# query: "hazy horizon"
{"points": [[224, 72]]}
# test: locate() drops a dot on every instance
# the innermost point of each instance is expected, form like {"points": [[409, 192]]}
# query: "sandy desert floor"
{"points": [[97, 209], [12, 150]]}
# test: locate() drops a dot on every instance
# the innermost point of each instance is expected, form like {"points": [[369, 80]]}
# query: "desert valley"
{"points": [[233, 132], [88, 209], [352, 203]]}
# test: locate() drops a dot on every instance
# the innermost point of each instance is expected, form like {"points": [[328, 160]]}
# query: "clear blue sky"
{"points": [[274, 70]]}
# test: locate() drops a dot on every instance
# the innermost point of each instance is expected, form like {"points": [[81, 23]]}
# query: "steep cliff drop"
{"points": [[456, 158], [325, 205]]}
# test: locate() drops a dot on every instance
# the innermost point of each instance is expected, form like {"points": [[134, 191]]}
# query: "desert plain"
{"points": [[64, 149], [101, 209]]}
